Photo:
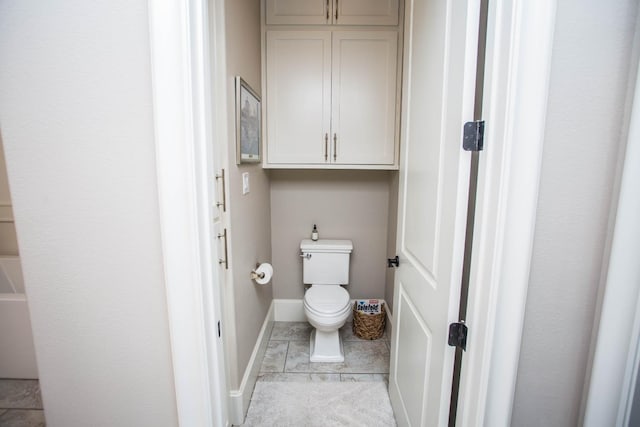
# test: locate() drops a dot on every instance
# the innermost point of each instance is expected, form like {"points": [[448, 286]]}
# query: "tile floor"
{"points": [[287, 357], [20, 403]]}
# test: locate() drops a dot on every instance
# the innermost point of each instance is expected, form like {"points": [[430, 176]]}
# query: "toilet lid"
{"points": [[326, 298]]}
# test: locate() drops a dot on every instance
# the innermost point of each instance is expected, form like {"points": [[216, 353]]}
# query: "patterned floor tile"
{"points": [[22, 418], [291, 331], [361, 378], [20, 394], [298, 360], [366, 357], [298, 378], [274, 356], [370, 357], [346, 332]]}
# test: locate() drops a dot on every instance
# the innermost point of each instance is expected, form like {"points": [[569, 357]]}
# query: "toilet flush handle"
{"points": [[304, 255]]}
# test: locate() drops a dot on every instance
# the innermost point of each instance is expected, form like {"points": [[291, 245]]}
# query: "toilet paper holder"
{"points": [[255, 275], [262, 273]]}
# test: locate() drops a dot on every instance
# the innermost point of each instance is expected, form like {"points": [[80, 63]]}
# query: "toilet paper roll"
{"points": [[266, 269]]}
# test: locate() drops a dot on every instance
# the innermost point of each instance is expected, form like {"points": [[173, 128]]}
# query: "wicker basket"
{"points": [[368, 326]]}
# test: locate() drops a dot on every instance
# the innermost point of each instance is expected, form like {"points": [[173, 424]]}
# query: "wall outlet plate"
{"points": [[245, 183]]}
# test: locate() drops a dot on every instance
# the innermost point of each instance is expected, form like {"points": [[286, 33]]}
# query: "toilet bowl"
{"points": [[327, 308], [326, 303]]}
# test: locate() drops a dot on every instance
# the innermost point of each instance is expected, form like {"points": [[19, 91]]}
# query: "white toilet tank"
{"points": [[325, 262]]}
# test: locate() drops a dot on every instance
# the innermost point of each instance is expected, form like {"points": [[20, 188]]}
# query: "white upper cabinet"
{"points": [[298, 12], [365, 12], [363, 102], [331, 12], [298, 101], [331, 99], [331, 84]]}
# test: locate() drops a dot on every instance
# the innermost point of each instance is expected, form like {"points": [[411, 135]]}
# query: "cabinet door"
{"points": [[365, 12], [298, 12], [298, 105], [364, 97]]}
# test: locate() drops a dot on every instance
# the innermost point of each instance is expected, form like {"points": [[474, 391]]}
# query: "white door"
{"points": [[363, 112], [439, 85]]}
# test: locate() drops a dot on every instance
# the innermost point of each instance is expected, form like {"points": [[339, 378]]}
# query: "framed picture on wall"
{"points": [[248, 123]]}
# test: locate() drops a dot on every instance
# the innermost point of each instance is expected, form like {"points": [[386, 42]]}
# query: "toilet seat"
{"points": [[326, 300], [327, 318]]}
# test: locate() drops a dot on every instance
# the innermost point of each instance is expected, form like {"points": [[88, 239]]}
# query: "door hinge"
{"points": [[219, 333], [458, 335], [473, 136]]}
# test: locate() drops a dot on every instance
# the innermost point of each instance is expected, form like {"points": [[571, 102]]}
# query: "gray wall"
{"points": [[392, 232], [77, 127], [585, 121], [346, 205], [250, 238]]}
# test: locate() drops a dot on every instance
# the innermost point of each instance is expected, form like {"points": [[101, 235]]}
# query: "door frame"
{"points": [[519, 46], [183, 108], [609, 398], [517, 68]]}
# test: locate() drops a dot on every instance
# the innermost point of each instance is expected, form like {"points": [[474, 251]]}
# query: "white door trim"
{"points": [[183, 128], [617, 353], [518, 59]]}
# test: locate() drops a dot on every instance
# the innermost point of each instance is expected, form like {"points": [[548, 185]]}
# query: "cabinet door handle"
{"points": [[327, 11], [224, 261], [335, 147], [326, 147], [223, 203], [336, 10]]}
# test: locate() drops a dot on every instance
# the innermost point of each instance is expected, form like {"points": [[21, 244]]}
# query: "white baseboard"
{"points": [[239, 399]]}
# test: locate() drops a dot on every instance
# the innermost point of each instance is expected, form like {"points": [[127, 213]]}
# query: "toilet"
{"points": [[325, 266]]}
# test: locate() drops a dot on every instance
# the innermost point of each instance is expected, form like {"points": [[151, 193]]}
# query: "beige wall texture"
{"points": [[250, 238], [392, 233], [585, 120], [345, 205], [77, 127]]}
